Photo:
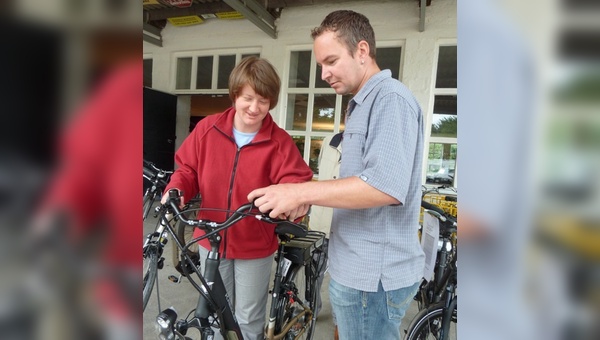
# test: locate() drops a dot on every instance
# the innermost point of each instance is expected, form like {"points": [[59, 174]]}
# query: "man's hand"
{"points": [[279, 199], [298, 212]]}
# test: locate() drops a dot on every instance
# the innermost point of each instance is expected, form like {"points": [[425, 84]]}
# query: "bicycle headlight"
{"points": [[165, 322]]}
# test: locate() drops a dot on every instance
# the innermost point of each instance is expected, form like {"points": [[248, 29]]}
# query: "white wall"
{"points": [[391, 20]]}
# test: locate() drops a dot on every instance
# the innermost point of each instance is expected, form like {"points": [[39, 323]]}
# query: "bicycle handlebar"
{"points": [[148, 173], [154, 173], [245, 210], [430, 206], [439, 213]]}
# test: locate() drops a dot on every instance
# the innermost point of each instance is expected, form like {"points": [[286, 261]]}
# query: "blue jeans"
{"points": [[369, 315]]}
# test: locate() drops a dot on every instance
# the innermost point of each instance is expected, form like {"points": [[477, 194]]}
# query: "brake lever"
{"points": [[263, 215]]}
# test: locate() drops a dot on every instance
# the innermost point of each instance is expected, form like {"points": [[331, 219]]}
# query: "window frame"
{"points": [[215, 54], [439, 92]]}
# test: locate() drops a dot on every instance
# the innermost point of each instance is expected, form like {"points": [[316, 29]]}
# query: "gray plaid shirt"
{"points": [[383, 145]]}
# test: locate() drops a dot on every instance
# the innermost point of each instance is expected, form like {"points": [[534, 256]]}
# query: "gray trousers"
{"points": [[247, 284]]}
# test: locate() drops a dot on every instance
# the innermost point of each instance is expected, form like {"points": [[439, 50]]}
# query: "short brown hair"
{"points": [[260, 75], [351, 27]]}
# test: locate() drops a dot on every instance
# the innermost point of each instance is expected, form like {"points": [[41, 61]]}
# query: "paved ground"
{"points": [[183, 298]]}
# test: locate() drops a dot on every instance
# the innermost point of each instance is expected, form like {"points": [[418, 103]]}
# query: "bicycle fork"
{"points": [[449, 307]]}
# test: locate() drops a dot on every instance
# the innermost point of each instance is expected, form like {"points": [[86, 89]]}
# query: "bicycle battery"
{"points": [[299, 249]]}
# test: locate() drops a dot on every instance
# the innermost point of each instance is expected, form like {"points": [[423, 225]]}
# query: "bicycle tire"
{"points": [[185, 234], [148, 202], [428, 323], [287, 308], [312, 275], [150, 272]]}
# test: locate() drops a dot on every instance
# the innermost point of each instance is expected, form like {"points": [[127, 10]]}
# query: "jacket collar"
{"points": [[225, 124]]}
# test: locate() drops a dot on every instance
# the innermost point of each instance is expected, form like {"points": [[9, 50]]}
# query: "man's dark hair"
{"points": [[350, 27]]}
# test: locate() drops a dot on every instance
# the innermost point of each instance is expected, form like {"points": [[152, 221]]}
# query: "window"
{"points": [[442, 148], [207, 72], [313, 110], [184, 76], [148, 72]]}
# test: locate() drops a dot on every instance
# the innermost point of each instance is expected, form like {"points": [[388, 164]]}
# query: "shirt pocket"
{"points": [[354, 139], [353, 152]]}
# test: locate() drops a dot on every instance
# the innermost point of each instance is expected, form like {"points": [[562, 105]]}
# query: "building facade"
{"points": [[194, 62]]}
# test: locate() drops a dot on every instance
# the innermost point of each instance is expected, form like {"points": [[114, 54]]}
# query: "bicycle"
{"points": [[437, 298], [155, 242], [159, 179], [432, 291], [300, 259]]}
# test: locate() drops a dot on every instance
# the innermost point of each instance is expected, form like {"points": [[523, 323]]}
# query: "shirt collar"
{"points": [[370, 85]]}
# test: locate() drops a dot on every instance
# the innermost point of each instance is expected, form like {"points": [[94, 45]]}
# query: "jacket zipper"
{"points": [[229, 197]]}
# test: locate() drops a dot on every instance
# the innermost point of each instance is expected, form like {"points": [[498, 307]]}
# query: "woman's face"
{"points": [[250, 110]]}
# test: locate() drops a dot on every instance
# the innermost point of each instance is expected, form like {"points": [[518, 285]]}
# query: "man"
{"points": [[376, 261]]}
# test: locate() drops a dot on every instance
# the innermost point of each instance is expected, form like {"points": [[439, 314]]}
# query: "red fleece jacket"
{"points": [[211, 163]]}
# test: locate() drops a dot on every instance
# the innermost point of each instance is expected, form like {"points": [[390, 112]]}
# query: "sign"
{"points": [[229, 15], [185, 21], [429, 241], [150, 2], [180, 3]]}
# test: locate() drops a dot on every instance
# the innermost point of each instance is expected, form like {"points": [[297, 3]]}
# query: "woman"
{"points": [[228, 155]]}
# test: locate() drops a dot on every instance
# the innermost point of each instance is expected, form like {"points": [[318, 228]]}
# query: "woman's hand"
{"points": [[165, 197]]}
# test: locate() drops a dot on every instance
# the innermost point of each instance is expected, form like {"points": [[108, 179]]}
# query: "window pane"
{"points": [[315, 149], [148, 72], [446, 69], [184, 73], [441, 163], [389, 58], [444, 117], [320, 83], [204, 73], [226, 65], [345, 100], [299, 141], [323, 112], [297, 105], [299, 69]]}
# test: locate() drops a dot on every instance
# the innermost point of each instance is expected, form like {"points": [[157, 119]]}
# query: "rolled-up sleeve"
{"points": [[384, 145]]}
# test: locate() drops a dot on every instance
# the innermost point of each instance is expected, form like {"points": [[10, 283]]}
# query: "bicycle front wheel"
{"points": [[150, 272], [148, 202], [288, 307], [427, 324]]}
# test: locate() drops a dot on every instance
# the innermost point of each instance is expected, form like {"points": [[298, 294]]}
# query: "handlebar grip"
{"points": [[173, 194], [149, 172], [174, 197]]}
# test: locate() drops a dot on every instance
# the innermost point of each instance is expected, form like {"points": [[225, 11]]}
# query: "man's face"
{"points": [[338, 68]]}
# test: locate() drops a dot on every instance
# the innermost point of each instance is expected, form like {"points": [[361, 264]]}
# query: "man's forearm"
{"points": [[346, 193]]}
